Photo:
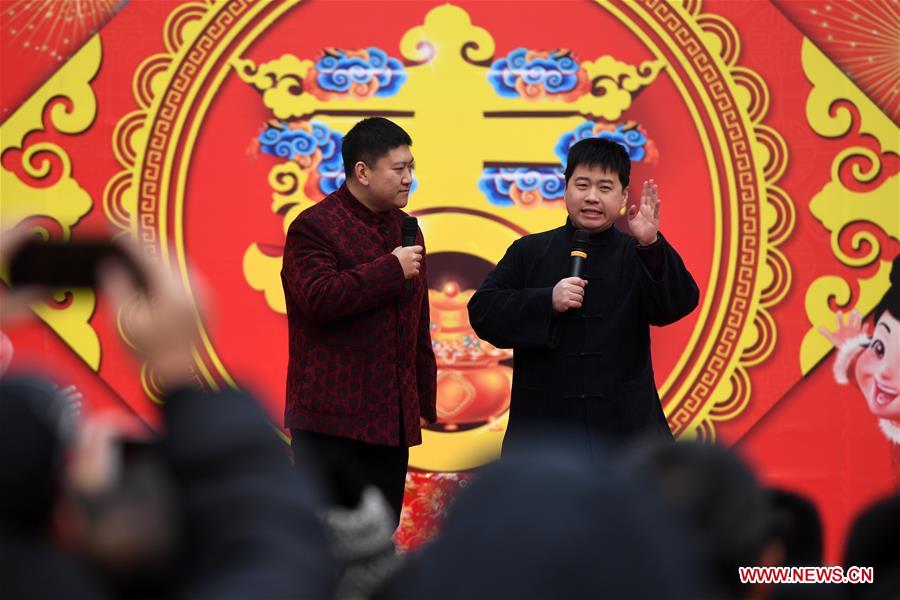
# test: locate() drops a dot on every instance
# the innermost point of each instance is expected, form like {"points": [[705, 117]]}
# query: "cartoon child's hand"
{"points": [[850, 329]]}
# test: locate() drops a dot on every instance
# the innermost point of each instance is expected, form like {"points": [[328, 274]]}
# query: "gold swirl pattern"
{"points": [[721, 388], [118, 203], [783, 215], [721, 37], [159, 87], [126, 137], [856, 157], [864, 222], [59, 200], [764, 326], [451, 24], [776, 150], [150, 73], [737, 397], [125, 315], [155, 387], [692, 7], [779, 277], [182, 24], [288, 181], [761, 214], [856, 244], [281, 82], [152, 386], [259, 271], [757, 103], [704, 432], [614, 84]]}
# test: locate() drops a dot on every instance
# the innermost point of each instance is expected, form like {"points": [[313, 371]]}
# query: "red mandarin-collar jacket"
{"points": [[361, 363]]}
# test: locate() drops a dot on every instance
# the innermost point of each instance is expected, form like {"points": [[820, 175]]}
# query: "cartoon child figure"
{"points": [[874, 359]]}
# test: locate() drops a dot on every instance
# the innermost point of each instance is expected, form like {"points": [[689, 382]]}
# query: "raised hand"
{"points": [[643, 220], [845, 330], [159, 321]]}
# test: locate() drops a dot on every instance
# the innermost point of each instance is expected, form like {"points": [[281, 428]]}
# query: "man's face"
{"points": [[389, 179], [878, 369], [594, 198]]}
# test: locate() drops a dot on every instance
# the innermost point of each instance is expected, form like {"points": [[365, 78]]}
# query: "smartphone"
{"points": [[137, 450], [56, 264]]}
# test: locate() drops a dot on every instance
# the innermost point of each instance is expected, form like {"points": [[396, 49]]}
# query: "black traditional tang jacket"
{"points": [[587, 369]]}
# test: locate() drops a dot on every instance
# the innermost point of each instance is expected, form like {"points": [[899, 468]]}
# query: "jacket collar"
{"points": [[359, 209]]}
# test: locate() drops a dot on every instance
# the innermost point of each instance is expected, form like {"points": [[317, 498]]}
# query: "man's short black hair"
{"points": [[369, 140], [600, 152]]}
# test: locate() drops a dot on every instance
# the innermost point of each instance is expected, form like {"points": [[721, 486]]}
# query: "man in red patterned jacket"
{"points": [[361, 377]]}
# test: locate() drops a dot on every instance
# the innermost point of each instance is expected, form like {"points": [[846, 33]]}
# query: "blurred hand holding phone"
{"points": [[55, 264], [159, 322]]}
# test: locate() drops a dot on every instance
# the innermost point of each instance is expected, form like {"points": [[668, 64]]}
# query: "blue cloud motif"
{"points": [[282, 141], [557, 73], [336, 71], [332, 166], [496, 182], [625, 134], [331, 181]]}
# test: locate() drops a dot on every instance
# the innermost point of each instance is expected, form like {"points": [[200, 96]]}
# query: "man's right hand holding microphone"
{"points": [[410, 258], [568, 293]]}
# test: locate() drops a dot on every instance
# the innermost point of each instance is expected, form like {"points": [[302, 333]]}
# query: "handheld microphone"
{"points": [[410, 232], [579, 252]]}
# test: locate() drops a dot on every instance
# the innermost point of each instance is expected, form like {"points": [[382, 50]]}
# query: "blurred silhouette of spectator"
{"points": [[874, 541], [36, 427], [35, 430], [725, 511], [251, 529], [212, 509], [798, 528], [547, 523]]}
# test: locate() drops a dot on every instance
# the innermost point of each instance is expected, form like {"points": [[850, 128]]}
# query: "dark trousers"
{"points": [[342, 467]]}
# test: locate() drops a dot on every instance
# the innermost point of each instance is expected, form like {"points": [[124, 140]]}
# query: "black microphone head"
{"points": [[579, 252], [581, 238], [410, 231]]}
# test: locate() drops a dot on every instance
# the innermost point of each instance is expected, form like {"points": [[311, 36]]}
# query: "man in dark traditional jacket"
{"points": [[361, 376], [582, 356]]}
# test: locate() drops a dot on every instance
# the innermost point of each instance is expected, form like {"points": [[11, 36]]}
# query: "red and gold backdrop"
{"points": [[202, 129]]}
